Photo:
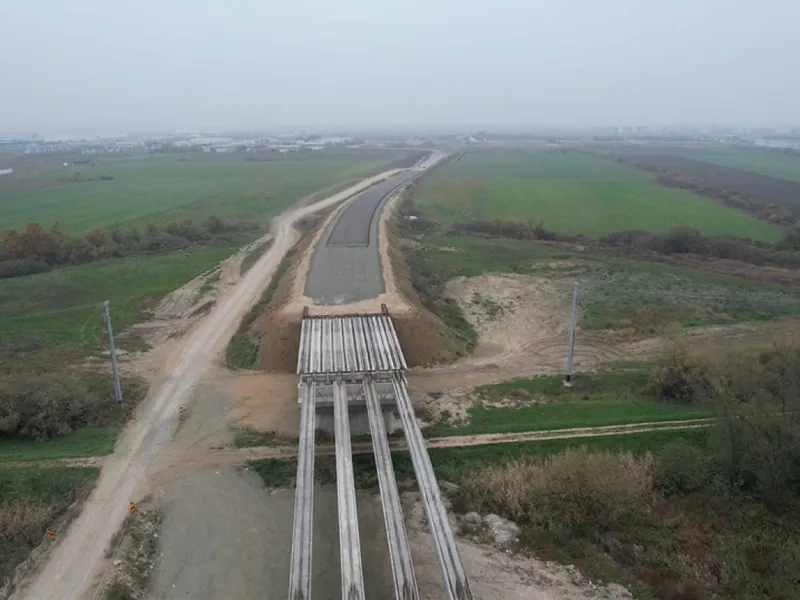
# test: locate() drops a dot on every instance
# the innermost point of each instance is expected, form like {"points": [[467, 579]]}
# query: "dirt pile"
{"points": [[420, 338], [522, 323], [276, 328]]}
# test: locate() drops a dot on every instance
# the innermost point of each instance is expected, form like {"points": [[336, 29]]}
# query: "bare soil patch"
{"points": [[265, 402], [523, 324], [278, 330]]}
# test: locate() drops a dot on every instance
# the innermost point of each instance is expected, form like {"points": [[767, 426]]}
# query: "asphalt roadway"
{"points": [[346, 264]]}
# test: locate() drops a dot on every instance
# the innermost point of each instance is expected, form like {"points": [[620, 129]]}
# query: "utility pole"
{"points": [[113, 350], [572, 322]]}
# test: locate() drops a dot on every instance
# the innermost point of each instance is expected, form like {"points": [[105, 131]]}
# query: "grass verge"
{"points": [[544, 403], [90, 441], [248, 438], [456, 464], [487, 419], [39, 328], [616, 293], [242, 351], [253, 256]]}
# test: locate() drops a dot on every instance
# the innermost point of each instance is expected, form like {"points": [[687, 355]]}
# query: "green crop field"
{"points": [[60, 310], [489, 419], [594, 400], [455, 464], [162, 190], [574, 194], [55, 315], [771, 164]]}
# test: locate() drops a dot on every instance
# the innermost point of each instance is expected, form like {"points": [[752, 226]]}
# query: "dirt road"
{"points": [[72, 565]]}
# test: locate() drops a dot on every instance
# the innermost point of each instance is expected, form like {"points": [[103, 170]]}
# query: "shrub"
{"points": [[504, 229], [18, 268], [580, 490], [683, 379], [52, 404], [242, 351], [682, 468], [756, 395]]}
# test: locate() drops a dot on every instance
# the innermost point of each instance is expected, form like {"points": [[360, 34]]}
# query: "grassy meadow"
{"points": [[771, 164], [168, 190], [574, 194], [59, 311], [615, 292], [543, 404], [55, 316]]}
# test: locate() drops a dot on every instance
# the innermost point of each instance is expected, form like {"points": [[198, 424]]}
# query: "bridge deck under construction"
{"points": [[337, 352], [349, 347]]}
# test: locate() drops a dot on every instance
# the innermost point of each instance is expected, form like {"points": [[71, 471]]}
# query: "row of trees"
{"points": [[766, 211], [678, 240], [36, 249]]}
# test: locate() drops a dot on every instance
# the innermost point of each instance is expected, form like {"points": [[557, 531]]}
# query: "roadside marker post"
{"points": [[113, 350], [51, 535], [572, 322]]}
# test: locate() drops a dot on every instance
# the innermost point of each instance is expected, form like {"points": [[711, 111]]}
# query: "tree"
{"points": [[214, 224], [38, 245], [61, 238], [13, 246]]}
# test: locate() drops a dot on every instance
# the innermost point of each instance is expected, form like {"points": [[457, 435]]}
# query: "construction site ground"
{"points": [[224, 534]]}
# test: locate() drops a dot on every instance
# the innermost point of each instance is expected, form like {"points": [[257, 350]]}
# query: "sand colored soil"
{"points": [[523, 324], [265, 402]]}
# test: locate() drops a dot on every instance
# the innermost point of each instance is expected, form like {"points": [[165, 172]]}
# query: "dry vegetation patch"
{"points": [[582, 490], [133, 554]]}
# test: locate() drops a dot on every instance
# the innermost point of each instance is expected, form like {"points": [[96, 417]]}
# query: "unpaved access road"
{"points": [[72, 565], [239, 456]]}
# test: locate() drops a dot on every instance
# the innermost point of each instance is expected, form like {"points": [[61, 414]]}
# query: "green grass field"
{"points": [[544, 403], [454, 464], [92, 441], [771, 164], [574, 194], [565, 415], [59, 311], [162, 190]]}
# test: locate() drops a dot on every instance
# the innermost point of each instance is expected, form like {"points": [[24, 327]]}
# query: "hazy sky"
{"points": [[132, 65]]}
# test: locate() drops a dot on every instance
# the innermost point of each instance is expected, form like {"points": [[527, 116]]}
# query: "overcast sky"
{"points": [[134, 65]]}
